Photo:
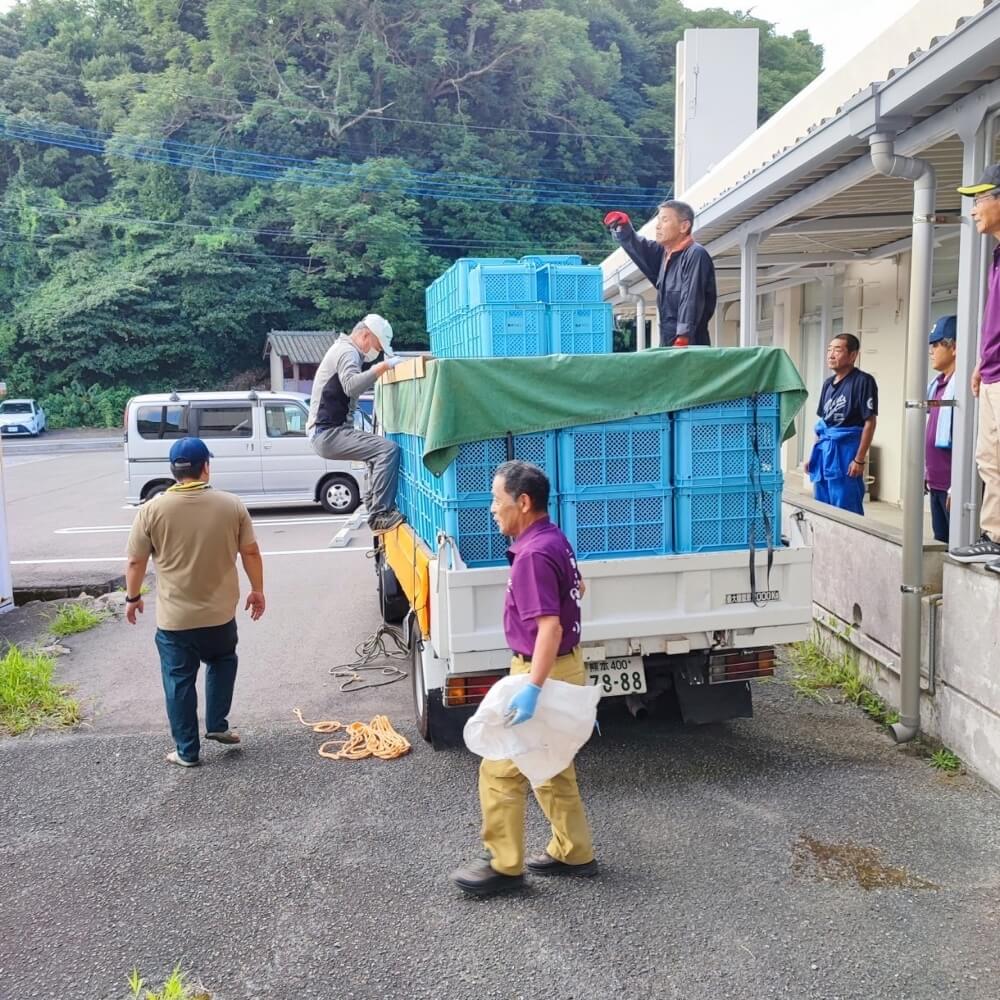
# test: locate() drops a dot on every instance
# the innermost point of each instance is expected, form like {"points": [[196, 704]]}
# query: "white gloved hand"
{"points": [[394, 360]]}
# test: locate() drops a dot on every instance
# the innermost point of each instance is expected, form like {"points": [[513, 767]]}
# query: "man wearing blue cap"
{"points": [[937, 446], [194, 534]]}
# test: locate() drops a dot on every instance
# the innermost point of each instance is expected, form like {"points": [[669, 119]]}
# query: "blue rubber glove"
{"points": [[522, 705]]}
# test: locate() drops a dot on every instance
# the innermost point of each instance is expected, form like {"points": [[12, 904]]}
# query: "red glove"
{"points": [[616, 219]]}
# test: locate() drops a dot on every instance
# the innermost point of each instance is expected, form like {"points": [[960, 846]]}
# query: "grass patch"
{"points": [[817, 672], [944, 760], [175, 987], [73, 618], [28, 695]]}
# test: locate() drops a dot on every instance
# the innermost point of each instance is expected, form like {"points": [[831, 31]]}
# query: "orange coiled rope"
{"points": [[373, 739]]}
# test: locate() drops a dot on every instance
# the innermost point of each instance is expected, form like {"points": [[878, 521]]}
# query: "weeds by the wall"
{"points": [[73, 618], [28, 695]]}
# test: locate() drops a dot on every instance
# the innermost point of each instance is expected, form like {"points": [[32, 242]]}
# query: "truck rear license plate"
{"points": [[624, 675]]}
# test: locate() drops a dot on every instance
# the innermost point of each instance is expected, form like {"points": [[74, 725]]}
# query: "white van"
{"points": [[258, 443]]}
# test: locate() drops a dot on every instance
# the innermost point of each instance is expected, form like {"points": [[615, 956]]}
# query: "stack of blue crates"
{"points": [[699, 480], [490, 307]]}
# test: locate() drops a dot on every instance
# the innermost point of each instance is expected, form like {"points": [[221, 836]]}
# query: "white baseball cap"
{"points": [[382, 329]]}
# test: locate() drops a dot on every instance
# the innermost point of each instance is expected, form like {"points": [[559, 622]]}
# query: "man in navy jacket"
{"points": [[680, 269]]}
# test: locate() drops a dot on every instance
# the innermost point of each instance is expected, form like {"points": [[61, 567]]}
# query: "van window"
{"points": [[285, 420], [225, 421], [161, 423]]}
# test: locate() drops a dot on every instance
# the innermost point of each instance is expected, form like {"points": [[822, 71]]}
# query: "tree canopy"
{"points": [[177, 177]]}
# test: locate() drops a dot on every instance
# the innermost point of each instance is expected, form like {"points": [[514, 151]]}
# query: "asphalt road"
{"points": [[799, 854], [67, 520]]}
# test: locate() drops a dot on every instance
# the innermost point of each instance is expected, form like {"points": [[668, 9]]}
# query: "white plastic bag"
{"points": [[547, 743]]}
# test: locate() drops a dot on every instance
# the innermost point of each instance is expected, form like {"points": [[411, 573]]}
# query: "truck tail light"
{"points": [[740, 665], [460, 691]]}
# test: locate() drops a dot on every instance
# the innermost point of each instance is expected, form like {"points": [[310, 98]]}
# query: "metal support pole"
{"points": [[640, 323], [654, 327], [748, 290], [972, 257], [914, 421]]}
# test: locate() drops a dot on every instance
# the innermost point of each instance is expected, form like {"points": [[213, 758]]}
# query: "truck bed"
{"points": [[670, 604]]}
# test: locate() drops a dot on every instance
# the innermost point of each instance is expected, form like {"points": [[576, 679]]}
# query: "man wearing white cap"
{"points": [[338, 384]]}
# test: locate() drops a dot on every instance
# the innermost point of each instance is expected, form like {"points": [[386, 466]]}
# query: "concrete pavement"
{"points": [[798, 854]]}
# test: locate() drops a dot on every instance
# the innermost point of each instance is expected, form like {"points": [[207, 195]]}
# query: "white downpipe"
{"points": [[639, 302], [921, 173], [748, 290]]}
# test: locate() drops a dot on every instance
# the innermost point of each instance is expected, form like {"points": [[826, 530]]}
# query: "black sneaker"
{"points": [[386, 521], [480, 878], [984, 551], [545, 864]]}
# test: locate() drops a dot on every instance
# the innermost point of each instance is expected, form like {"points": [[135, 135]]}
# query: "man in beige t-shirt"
{"points": [[193, 534]]}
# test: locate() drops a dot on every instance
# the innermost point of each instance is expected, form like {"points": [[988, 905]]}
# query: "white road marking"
{"points": [[260, 522], [121, 559]]}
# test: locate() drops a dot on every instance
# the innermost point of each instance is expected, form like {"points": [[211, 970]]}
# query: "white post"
{"points": [[748, 290], [6, 581], [640, 323], [277, 371], [964, 520], [654, 327]]}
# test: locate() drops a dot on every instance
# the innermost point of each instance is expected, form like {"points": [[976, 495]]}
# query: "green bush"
{"points": [[76, 406]]}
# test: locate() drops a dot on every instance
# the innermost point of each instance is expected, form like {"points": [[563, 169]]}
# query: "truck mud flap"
{"points": [[704, 703], [446, 724]]}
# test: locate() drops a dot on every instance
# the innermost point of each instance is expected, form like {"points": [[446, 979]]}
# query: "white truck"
{"points": [[691, 625]]}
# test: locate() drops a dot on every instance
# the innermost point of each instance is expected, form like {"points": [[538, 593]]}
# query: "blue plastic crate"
{"points": [[472, 471], [579, 284], [502, 332], [580, 329], [730, 448], [503, 284], [448, 295], [766, 406], [619, 525], [631, 454], [541, 259], [714, 518], [470, 475]]}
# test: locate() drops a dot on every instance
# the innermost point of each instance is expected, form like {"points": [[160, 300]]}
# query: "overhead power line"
{"points": [[242, 163]]}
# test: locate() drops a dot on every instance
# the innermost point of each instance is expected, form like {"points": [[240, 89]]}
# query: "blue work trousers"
{"points": [[182, 651], [940, 515]]}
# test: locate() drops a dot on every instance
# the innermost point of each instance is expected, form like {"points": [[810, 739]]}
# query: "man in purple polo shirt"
{"points": [[986, 380], [541, 621]]}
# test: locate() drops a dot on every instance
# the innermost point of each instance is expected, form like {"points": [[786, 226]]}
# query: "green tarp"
{"points": [[463, 400]]}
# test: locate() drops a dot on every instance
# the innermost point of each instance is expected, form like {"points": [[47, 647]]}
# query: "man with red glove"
{"points": [[680, 269]]}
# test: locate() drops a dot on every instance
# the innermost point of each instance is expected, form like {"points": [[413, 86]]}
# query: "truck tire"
{"points": [[421, 708], [441, 727], [392, 602]]}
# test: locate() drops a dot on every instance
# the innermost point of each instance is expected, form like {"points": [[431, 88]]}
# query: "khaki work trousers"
{"points": [[503, 796], [988, 457]]}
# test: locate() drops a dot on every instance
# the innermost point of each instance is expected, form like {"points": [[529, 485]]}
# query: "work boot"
{"points": [[228, 737], [386, 521], [480, 878], [545, 864], [984, 551]]}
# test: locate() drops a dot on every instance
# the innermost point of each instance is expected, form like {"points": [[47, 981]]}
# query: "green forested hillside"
{"points": [[177, 177]]}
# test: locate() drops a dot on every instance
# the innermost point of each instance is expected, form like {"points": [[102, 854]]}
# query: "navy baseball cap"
{"points": [[946, 328], [990, 181], [189, 451]]}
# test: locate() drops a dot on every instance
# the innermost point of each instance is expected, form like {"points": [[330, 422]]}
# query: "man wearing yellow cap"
{"points": [[986, 379]]}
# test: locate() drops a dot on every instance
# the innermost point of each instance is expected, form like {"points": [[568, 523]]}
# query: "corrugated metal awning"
{"points": [[300, 346]]}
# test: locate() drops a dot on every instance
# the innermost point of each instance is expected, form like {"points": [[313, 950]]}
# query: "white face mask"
{"points": [[372, 354]]}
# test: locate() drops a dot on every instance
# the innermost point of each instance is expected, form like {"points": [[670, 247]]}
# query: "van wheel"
{"points": [[339, 495], [155, 491]]}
